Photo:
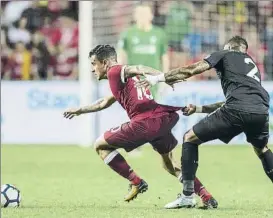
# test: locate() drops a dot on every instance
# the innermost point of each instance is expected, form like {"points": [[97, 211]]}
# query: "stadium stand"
{"points": [[39, 40]]}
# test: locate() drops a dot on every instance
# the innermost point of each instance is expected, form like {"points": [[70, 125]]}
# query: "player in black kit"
{"points": [[246, 109]]}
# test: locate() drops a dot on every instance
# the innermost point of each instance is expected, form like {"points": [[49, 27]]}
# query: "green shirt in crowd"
{"points": [[178, 22], [145, 48]]}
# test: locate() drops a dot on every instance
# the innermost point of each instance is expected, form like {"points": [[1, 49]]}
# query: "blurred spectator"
{"points": [[19, 33], [202, 37], [265, 8], [253, 16], [20, 65], [161, 9], [113, 19], [5, 53], [240, 12], [13, 11], [267, 39], [34, 16], [210, 35], [193, 40], [255, 50], [40, 54], [56, 7], [178, 23], [43, 43], [144, 43], [117, 15], [64, 48], [48, 30]]}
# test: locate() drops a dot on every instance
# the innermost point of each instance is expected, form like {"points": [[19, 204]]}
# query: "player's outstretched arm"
{"points": [[98, 105], [182, 73], [211, 107], [191, 109], [174, 76], [135, 70]]}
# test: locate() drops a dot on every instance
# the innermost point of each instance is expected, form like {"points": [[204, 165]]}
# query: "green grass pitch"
{"points": [[72, 182]]}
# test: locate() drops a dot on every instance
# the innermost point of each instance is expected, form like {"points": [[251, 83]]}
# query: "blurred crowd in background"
{"points": [[39, 40]]}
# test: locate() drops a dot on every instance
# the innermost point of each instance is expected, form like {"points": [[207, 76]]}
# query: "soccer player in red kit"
{"points": [[150, 122]]}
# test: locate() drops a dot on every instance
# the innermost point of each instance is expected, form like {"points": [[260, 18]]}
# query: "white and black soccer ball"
{"points": [[10, 196]]}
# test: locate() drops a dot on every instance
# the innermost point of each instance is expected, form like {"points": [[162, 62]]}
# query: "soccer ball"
{"points": [[10, 196]]}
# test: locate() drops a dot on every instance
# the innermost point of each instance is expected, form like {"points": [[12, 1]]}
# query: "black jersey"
{"points": [[240, 80]]}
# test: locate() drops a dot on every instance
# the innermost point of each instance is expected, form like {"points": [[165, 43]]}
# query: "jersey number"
{"points": [[252, 73], [141, 92]]}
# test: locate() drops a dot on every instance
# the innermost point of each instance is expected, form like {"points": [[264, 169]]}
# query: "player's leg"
{"points": [[266, 157], [167, 143], [257, 132], [218, 125], [115, 160], [106, 146], [170, 164], [163, 140], [190, 150], [189, 168], [128, 136]]}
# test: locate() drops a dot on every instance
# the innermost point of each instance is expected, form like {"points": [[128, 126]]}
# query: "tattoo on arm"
{"points": [[99, 105], [131, 71], [211, 107], [182, 73], [93, 107]]}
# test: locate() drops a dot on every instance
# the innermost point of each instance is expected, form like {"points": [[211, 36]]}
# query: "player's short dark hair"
{"points": [[237, 41], [103, 52]]}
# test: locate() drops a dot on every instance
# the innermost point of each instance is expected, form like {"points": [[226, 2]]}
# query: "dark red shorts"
{"points": [[153, 130]]}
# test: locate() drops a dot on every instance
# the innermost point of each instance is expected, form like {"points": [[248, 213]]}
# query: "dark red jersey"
{"points": [[137, 102]]}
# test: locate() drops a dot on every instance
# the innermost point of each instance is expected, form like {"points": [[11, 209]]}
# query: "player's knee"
{"points": [[189, 136], [260, 151], [99, 144], [102, 147]]}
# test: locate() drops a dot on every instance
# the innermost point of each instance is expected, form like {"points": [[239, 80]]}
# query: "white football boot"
{"points": [[182, 201]]}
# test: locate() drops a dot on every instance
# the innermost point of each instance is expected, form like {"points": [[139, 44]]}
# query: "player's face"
{"points": [[99, 69], [143, 15]]}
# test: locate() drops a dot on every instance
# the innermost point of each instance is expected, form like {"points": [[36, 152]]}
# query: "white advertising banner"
{"points": [[31, 112]]}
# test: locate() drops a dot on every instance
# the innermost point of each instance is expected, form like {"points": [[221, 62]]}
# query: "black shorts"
{"points": [[226, 123]]}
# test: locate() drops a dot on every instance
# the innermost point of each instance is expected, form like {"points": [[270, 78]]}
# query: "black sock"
{"points": [[267, 161], [189, 161]]}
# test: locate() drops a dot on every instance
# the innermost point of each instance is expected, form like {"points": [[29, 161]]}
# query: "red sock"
{"points": [[200, 190], [119, 164]]}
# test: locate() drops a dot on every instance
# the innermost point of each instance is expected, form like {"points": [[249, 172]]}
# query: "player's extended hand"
{"points": [[189, 110], [143, 83], [70, 113], [148, 82]]}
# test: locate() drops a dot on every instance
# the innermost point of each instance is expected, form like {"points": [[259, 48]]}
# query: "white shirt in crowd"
{"points": [[19, 35], [14, 10]]}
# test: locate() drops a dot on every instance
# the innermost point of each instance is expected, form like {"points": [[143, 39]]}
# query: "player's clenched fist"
{"points": [[70, 113], [189, 110]]}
